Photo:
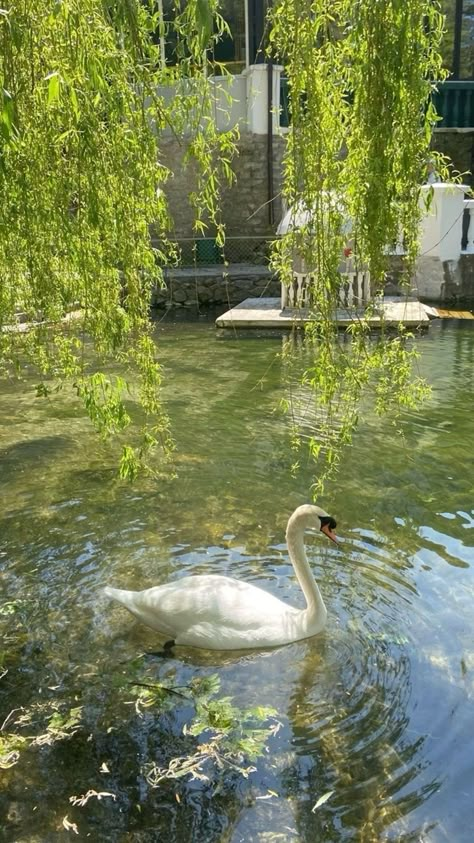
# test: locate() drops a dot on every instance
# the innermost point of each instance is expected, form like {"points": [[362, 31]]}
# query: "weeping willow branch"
{"points": [[361, 75], [82, 113], [81, 120]]}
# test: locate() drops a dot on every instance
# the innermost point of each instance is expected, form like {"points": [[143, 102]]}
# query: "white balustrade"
{"points": [[443, 207], [469, 205], [355, 290]]}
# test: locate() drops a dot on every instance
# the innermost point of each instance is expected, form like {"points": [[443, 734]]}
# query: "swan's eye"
{"points": [[327, 521]]}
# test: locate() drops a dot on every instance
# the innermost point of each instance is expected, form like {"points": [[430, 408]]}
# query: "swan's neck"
{"points": [[309, 587]]}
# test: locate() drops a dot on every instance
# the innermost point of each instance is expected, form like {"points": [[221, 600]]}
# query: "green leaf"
{"points": [[129, 464], [74, 103], [53, 87], [322, 800], [204, 22], [7, 115]]}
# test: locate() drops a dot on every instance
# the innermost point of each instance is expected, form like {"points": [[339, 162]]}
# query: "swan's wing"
{"points": [[207, 601]]}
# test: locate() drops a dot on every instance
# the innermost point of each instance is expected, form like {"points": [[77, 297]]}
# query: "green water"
{"points": [[378, 709]]}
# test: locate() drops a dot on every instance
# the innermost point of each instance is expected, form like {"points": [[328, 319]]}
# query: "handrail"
{"points": [[355, 290], [454, 102]]}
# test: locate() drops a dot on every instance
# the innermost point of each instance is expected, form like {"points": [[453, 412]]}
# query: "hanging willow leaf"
{"points": [[7, 115], [204, 22], [361, 126], [84, 186], [53, 87], [81, 192]]}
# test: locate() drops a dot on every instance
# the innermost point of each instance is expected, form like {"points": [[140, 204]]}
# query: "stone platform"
{"points": [[267, 313]]}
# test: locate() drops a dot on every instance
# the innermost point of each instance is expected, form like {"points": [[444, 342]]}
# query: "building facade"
{"points": [[253, 96]]}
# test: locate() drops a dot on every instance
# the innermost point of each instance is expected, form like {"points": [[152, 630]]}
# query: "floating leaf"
{"points": [[69, 826], [83, 800], [322, 799], [270, 795]]}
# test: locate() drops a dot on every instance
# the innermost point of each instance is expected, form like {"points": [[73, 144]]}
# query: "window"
{"points": [[230, 50], [458, 42]]}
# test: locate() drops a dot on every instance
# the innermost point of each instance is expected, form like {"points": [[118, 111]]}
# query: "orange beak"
{"points": [[329, 533]]}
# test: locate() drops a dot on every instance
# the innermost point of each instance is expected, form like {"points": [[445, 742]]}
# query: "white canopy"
{"points": [[297, 217]]}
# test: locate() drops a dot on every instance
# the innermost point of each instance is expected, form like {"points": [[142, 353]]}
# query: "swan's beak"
{"points": [[329, 533]]}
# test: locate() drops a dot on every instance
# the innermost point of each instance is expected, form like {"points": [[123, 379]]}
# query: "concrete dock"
{"points": [[267, 313]]}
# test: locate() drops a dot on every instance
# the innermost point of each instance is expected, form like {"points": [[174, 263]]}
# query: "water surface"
{"points": [[378, 709]]}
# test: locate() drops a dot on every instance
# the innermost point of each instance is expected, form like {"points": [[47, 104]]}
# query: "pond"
{"points": [[375, 714]]}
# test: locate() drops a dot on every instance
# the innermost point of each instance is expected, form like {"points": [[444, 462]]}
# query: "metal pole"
{"points": [[271, 210], [457, 39], [162, 35], [247, 33]]}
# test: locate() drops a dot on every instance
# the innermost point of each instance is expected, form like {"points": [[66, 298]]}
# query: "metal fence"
{"points": [[204, 251], [454, 101]]}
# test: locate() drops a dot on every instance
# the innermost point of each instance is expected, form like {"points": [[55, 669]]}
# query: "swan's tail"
{"points": [[119, 594]]}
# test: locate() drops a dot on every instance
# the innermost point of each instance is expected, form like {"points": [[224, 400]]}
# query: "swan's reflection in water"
{"points": [[350, 721]]}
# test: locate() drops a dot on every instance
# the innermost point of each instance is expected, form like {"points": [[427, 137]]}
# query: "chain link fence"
{"points": [[204, 251]]}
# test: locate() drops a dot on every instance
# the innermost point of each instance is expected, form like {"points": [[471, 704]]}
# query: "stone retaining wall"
{"points": [[244, 204], [188, 287], [448, 281]]}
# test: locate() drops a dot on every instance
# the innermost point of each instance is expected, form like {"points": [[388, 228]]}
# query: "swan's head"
{"points": [[309, 517]]}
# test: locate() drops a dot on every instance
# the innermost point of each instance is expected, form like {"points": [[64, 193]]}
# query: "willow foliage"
{"points": [[82, 112], [361, 75], [81, 119]]}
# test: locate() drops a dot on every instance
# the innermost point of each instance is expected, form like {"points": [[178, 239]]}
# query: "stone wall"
{"points": [[445, 281], [435, 280], [245, 204], [215, 285]]}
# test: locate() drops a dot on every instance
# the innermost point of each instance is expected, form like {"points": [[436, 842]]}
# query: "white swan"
{"points": [[220, 613]]}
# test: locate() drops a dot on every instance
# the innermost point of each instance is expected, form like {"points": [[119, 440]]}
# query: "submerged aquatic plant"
{"points": [[57, 721], [228, 737]]}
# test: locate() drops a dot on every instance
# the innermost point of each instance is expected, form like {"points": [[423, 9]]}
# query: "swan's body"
{"points": [[221, 613]]}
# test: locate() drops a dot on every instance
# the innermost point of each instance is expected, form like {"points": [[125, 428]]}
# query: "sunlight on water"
{"points": [[377, 710]]}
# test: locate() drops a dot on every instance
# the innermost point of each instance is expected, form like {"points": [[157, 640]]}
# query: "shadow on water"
{"points": [[33, 454]]}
